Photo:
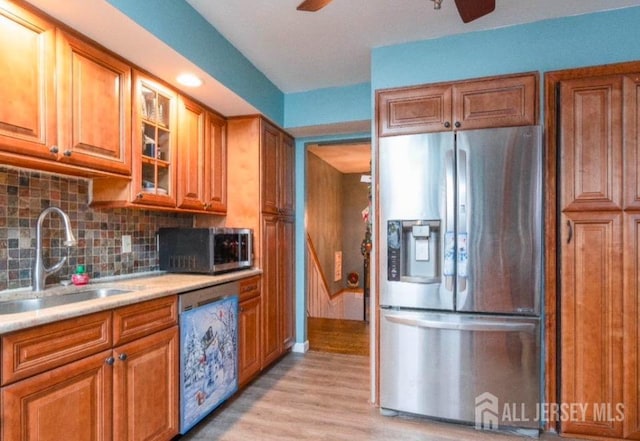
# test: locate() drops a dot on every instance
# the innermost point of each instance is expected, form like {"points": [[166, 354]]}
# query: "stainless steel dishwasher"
{"points": [[208, 350]]}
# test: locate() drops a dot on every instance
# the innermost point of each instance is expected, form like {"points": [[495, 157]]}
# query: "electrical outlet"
{"points": [[126, 243]]}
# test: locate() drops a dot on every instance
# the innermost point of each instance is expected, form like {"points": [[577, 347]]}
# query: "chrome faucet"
{"points": [[39, 273]]}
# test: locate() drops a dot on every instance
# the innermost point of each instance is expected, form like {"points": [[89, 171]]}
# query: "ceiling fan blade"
{"points": [[471, 9], [312, 5]]}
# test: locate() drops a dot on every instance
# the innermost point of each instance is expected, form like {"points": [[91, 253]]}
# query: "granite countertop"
{"points": [[146, 287]]}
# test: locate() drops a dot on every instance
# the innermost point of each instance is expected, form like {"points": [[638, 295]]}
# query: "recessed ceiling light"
{"points": [[189, 80]]}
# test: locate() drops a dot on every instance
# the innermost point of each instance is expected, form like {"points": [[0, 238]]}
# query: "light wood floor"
{"points": [[340, 336], [322, 397]]}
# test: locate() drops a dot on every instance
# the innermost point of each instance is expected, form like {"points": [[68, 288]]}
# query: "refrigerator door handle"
{"points": [[449, 238], [461, 239], [480, 325]]}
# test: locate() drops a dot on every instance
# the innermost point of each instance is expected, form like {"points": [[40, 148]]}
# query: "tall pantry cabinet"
{"points": [[599, 221], [261, 178]]}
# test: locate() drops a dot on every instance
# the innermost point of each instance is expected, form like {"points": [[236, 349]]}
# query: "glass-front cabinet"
{"points": [[154, 141]]}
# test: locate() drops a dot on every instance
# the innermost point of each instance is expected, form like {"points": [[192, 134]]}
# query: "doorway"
{"points": [[338, 241]]}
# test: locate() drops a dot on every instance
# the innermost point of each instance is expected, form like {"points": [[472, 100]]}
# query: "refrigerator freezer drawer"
{"points": [[437, 364]]}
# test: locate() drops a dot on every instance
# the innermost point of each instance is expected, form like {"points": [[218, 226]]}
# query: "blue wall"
{"points": [[328, 106], [585, 40], [181, 27]]}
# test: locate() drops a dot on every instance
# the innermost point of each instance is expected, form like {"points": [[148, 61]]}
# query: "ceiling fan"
{"points": [[469, 10]]}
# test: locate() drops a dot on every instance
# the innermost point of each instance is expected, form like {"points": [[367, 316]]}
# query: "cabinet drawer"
{"points": [[31, 351], [249, 288], [139, 320]]}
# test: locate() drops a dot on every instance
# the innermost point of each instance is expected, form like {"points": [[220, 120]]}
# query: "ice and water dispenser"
{"points": [[413, 251]]}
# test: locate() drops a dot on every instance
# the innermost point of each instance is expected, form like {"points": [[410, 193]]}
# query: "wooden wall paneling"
{"points": [[631, 290]]}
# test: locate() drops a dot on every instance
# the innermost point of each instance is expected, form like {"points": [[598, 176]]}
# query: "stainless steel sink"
{"points": [[24, 305]]}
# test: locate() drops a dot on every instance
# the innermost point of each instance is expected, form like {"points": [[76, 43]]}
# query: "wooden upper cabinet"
{"points": [[94, 106], [496, 102], [414, 110], [501, 101], [286, 175], [215, 175], [155, 139], [631, 140], [28, 112], [191, 145], [591, 143], [277, 171], [202, 159], [269, 164]]}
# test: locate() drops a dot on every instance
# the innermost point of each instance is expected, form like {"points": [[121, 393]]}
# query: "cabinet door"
{"points": [[191, 156], [591, 143], [286, 291], [248, 340], [28, 110], [631, 292], [269, 167], [216, 165], [410, 110], [495, 102], [145, 388], [286, 175], [94, 93], [591, 320], [271, 334], [631, 139], [71, 403], [154, 137]]}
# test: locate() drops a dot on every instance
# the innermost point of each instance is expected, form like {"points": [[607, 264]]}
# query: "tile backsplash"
{"points": [[23, 196]]}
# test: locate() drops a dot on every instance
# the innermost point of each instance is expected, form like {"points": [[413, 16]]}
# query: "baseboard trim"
{"points": [[300, 347]]}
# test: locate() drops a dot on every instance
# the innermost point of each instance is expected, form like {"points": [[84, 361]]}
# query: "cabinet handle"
{"points": [[139, 196], [54, 149], [241, 309], [457, 124], [447, 124], [110, 361], [206, 205], [570, 233], [123, 357], [67, 153]]}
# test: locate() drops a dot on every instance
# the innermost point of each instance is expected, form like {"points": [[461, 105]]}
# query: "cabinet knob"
{"points": [[139, 195], [457, 124], [123, 357], [67, 153], [110, 361], [206, 205], [447, 124], [54, 149]]}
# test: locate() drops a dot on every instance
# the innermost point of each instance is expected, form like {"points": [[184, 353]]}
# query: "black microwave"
{"points": [[205, 250]]}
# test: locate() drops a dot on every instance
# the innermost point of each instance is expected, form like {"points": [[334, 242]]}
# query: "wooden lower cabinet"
{"points": [[248, 340], [278, 314], [271, 345], [145, 388], [631, 290], [592, 320], [71, 403], [100, 393]]}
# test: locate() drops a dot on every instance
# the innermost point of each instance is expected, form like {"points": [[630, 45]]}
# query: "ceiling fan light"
{"points": [[437, 4], [189, 80]]}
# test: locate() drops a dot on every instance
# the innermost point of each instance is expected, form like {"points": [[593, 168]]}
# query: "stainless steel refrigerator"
{"points": [[461, 275]]}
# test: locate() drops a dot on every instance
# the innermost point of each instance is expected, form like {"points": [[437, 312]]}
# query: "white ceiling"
{"points": [[300, 51]]}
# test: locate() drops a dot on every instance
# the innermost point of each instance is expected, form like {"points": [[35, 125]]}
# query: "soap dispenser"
{"points": [[80, 277]]}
